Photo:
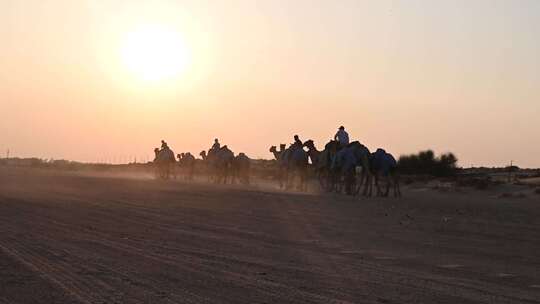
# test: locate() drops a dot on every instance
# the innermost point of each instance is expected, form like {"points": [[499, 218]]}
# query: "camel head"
{"points": [[309, 144], [203, 154], [273, 149]]}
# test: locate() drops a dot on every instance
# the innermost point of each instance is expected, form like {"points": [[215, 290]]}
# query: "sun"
{"points": [[155, 52]]}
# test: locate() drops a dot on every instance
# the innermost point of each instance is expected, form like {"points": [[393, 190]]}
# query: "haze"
{"points": [[459, 76]]}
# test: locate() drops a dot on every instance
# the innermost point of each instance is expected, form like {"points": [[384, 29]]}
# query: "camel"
{"points": [[219, 163], [164, 161], [206, 164], [281, 164], [277, 154], [312, 152], [291, 162], [329, 176], [224, 162], [295, 160], [241, 169], [187, 163], [384, 165], [348, 159], [320, 161]]}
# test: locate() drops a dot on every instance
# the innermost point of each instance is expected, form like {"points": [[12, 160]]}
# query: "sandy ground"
{"points": [[86, 239]]}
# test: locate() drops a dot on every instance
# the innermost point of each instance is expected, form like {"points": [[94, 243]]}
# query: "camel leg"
{"points": [[355, 188], [368, 185], [331, 181], [377, 184], [335, 182], [320, 179], [348, 182], [379, 191], [301, 180], [394, 185], [291, 180], [305, 180], [372, 180], [288, 177], [388, 181], [303, 183], [395, 180], [324, 181], [301, 176], [359, 183]]}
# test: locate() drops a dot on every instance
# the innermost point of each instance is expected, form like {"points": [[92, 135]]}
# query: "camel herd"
{"points": [[351, 169], [221, 164], [225, 167]]}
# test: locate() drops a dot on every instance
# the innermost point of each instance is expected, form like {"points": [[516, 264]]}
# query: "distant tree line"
{"points": [[425, 162]]}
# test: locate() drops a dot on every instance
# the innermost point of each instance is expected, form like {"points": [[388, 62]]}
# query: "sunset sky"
{"points": [[105, 80]]}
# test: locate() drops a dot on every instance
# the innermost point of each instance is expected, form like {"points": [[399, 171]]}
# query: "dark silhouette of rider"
{"points": [[297, 142], [216, 145]]}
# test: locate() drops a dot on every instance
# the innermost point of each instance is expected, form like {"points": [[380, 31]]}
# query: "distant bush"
{"points": [[425, 162]]}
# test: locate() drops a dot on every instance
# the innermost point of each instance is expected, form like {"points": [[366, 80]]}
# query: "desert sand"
{"points": [[69, 238]]}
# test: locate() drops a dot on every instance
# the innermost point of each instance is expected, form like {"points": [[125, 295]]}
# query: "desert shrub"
{"points": [[425, 162]]}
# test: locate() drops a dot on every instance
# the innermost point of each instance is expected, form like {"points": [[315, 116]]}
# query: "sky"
{"points": [[452, 76]]}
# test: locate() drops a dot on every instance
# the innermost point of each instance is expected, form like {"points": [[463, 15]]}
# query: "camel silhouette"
{"points": [[384, 166], [219, 163], [164, 161]]}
